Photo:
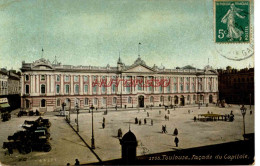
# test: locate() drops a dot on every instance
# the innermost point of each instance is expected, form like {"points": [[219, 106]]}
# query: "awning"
{"points": [[4, 105]]}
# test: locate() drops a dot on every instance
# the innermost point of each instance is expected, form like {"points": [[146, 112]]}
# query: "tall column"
{"points": [[81, 86], [178, 84], [31, 84], [22, 85], [52, 86], [90, 84], [71, 85], [37, 83], [62, 84]]}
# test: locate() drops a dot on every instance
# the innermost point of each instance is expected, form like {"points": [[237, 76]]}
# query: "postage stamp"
{"points": [[232, 21]]}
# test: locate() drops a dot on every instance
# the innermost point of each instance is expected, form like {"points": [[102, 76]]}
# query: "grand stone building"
{"points": [[236, 86], [45, 86]]}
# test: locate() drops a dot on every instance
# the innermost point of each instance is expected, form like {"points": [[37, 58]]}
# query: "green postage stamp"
{"points": [[232, 21]]}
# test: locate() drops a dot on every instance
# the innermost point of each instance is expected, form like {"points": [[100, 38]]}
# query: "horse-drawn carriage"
{"points": [[35, 137]]}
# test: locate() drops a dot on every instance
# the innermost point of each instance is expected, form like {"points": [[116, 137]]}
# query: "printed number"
{"points": [[221, 34]]}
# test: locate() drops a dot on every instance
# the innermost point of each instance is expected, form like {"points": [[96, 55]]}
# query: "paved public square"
{"points": [[150, 138], [67, 146]]}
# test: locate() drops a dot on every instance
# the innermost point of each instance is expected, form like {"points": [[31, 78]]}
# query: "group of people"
{"points": [[140, 121]]}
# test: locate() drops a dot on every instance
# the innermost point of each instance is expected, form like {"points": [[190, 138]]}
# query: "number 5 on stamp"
{"points": [[232, 21]]}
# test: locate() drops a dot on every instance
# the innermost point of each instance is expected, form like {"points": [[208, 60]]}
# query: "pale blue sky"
{"points": [[83, 32]]}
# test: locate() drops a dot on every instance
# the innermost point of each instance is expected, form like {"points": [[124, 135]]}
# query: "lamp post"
{"points": [[250, 100], [69, 109], [77, 109], [92, 138], [243, 112]]}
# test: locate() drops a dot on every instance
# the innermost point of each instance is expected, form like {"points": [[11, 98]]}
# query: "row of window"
{"points": [[85, 78], [103, 88]]}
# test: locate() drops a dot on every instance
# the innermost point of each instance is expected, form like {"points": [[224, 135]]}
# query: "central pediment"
{"points": [[139, 68]]}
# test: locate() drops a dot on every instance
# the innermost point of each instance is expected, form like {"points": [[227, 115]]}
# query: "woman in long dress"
{"points": [[229, 18]]}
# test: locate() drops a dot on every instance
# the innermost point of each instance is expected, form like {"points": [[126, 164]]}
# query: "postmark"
{"points": [[232, 21]]}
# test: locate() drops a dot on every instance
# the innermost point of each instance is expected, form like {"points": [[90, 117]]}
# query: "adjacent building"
{"points": [[236, 86], [10, 87], [45, 86]]}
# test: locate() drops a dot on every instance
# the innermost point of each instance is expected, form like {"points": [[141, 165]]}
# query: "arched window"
{"points": [[113, 88], [129, 100], [103, 89], [57, 88], [104, 101], [27, 89], [188, 97], [114, 100], [58, 78], [85, 88], [76, 89], [67, 89], [43, 103], [86, 101], [42, 89], [169, 98], [151, 99], [181, 88], [95, 101], [175, 87], [58, 103], [161, 98]]}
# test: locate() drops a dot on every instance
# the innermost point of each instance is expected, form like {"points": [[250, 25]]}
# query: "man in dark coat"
{"points": [[176, 140], [175, 133]]}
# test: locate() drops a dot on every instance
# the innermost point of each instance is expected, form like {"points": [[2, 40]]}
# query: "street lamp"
{"points": [[92, 138], [77, 109], [250, 100], [243, 112]]}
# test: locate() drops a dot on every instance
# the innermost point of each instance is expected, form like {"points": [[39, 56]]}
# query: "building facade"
{"points": [[236, 86], [45, 86]]}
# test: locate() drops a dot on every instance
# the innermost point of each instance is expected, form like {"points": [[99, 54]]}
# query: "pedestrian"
{"points": [[119, 133], [136, 120], [194, 118], [151, 122], [144, 120], [147, 114], [165, 131], [103, 125], [175, 133], [104, 120], [168, 111], [176, 140], [77, 162]]}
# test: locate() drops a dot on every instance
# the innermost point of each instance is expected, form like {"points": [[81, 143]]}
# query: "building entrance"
{"points": [[141, 101]]}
